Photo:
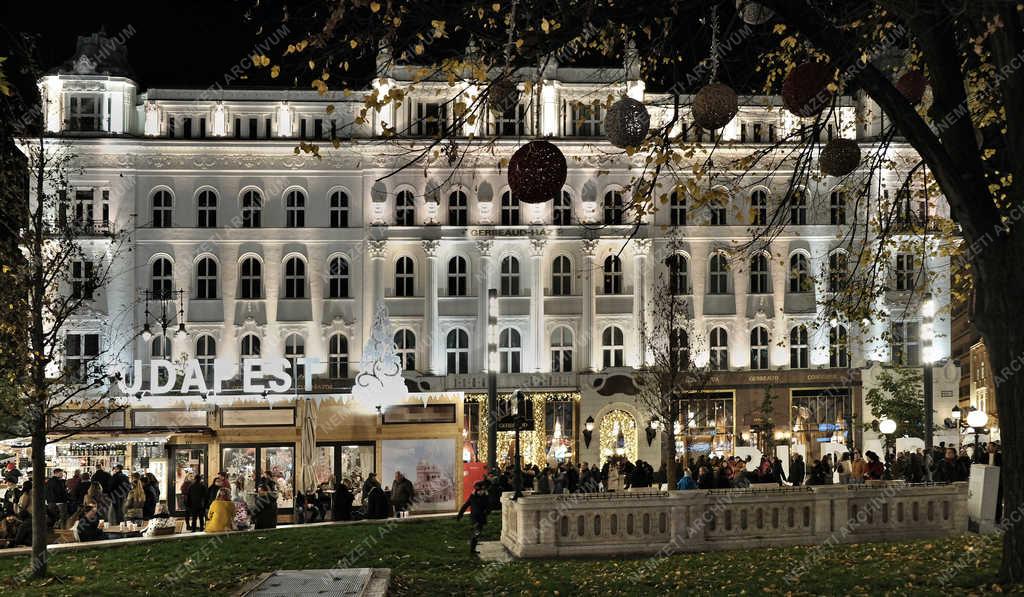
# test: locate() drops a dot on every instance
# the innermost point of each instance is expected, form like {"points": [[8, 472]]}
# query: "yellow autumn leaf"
{"points": [[545, 26], [353, 43], [438, 28], [275, 71], [418, 48], [779, 28], [375, 6]]}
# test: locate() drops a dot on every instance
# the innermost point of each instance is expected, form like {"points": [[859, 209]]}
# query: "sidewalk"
{"points": [[185, 536]]}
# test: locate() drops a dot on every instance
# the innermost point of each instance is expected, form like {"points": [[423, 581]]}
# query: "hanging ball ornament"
{"points": [[912, 85], [754, 13], [714, 106], [839, 157], [805, 90], [536, 172], [502, 94], [627, 122]]}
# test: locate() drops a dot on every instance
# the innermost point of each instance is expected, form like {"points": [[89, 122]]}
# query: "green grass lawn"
{"points": [[431, 558]]}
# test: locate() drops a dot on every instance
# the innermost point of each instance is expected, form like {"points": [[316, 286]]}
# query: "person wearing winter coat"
{"points": [[402, 493], [221, 516], [195, 504], [264, 512], [103, 478], [152, 488], [376, 502], [88, 527], [135, 500], [343, 499], [797, 471], [479, 506], [160, 520], [686, 482], [120, 487], [57, 497]]}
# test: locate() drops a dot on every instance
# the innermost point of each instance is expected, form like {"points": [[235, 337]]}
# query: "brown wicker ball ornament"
{"points": [[502, 94], [714, 106], [536, 172], [627, 122], [839, 157], [805, 90], [754, 13], [912, 85]]}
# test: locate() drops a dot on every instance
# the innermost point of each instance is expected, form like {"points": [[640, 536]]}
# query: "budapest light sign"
{"points": [[270, 375]]}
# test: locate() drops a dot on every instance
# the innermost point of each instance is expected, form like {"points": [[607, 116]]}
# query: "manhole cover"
{"points": [[291, 583]]}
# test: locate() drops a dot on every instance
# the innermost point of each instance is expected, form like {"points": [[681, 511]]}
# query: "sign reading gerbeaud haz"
{"points": [[258, 375]]}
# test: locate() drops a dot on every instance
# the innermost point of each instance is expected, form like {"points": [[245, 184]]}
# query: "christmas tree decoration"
{"points": [[714, 106], [805, 90], [912, 85], [754, 13], [380, 382], [839, 157], [502, 94], [536, 172], [627, 123]]}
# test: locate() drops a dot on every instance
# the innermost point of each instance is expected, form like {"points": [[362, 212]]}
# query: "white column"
{"points": [[482, 286], [641, 247], [376, 249], [537, 302], [585, 342], [430, 248]]}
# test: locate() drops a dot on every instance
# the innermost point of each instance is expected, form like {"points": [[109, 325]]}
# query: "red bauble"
{"points": [[805, 90], [536, 172], [912, 85]]}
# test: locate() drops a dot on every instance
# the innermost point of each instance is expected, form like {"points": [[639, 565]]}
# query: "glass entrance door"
{"points": [[187, 463], [344, 461]]}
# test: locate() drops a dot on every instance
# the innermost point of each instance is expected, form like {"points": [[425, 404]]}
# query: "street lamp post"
{"points": [[927, 334], [492, 378], [887, 427], [977, 419]]}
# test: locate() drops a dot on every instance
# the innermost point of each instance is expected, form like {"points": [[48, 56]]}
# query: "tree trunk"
{"points": [[668, 456], [39, 532], [999, 285]]}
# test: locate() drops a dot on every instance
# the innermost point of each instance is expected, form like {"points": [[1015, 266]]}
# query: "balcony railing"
{"points": [[78, 227]]}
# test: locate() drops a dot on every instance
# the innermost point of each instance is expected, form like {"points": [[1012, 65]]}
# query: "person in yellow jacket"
{"points": [[221, 516]]}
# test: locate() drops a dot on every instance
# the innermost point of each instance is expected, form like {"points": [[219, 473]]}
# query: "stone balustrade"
{"points": [[650, 523]]}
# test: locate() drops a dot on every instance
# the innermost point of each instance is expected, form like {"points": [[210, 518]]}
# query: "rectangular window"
{"points": [[906, 343], [202, 127], [906, 272], [267, 128], [170, 127], [318, 128], [511, 122], [82, 282], [587, 120], [84, 113], [186, 128], [430, 118], [80, 352], [253, 128], [238, 128]]}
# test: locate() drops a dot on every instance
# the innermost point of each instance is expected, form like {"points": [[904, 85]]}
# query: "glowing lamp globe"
{"points": [[977, 419], [805, 90], [627, 123], [714, 106], [839, 157], [887, 426], [536, 172]]}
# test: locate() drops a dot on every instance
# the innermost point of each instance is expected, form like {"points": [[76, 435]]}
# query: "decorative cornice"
{"points": [[377, 249], [430, 247]]}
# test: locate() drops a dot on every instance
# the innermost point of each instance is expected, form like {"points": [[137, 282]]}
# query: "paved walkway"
{"points": [[340, 582], [494, 551], [185, 536]]}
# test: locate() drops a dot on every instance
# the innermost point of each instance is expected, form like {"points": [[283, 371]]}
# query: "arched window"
{"points": [[837, 271], [458, 279], [677, 209], [561, 276], [405, 209], [509, 209], [206, 352], [405, 346], [798, 352], [295, 349], [206, 278], [162, 209], [678, 274], [458, 209], [510, 276], [510, 351], [612, 347], [838, 347], [612, 275], [339, 209], [760, 278], [719, 349], [294, 278], [338, 278], [717, 210], [759, 208], [162, 278], [337, 358], [206, 209], [405, 277], [252, 209], [759, 348], [562, 209], [837, 207], [799, 274], [250, 278], [561, 350], [458, 351], [719, 274], [679, 348], [798, 208], [160, 348], [295, 209], [613, 208], [250, 346]]}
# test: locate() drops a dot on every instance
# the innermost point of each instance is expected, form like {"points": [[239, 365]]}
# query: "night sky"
{"points": [[188, 43]]}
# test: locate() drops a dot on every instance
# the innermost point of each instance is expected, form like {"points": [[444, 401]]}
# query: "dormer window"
{"points": [[84, 113], [428, 119], [587, 120]]}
